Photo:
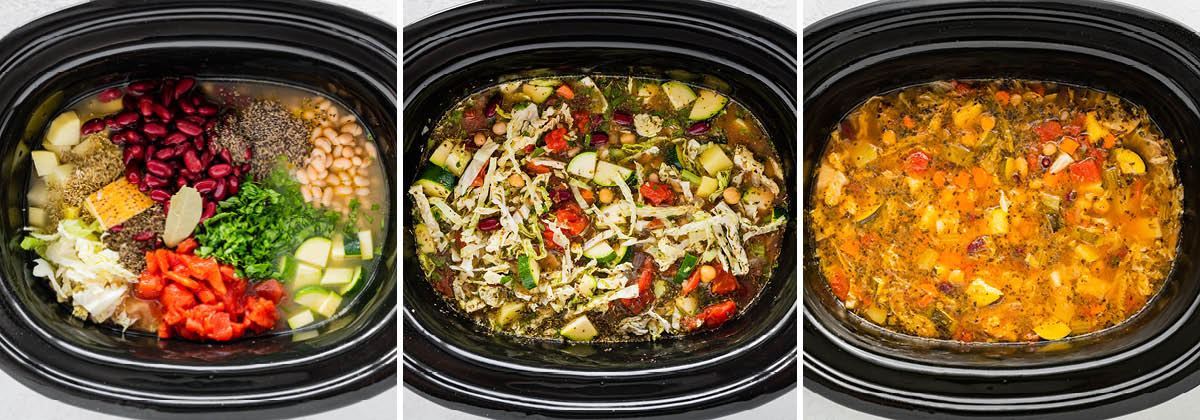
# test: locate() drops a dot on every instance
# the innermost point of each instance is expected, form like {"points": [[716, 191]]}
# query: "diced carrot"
{"points": [[987, 122], [962, 180], [187, 246], [939, 178], [1068, 145], [151, 262], [1052, 180], [965, 203], [161, 257], [850, 247], [565, 91], [1109, 141], [908, 122], [182, 280], [1002, 97], [587, 195], [982, 178], [925, 300]]}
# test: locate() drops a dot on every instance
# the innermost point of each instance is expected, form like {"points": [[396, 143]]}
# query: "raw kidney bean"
{"points": [[93, 125], [219, 170], [198, 141], [150, 149], [599, 138], [143, 188], [207, 110], [205, 186], [146, 107], [206, 158], [159, 168], [622, 118], [225, 156], [110, 94], [160, 195], [237, 172], [219, 192], [126, 118], [127, 156], [180, 183], [191, 176], [195, 119], [129, 103], [210, 209], [491, 223], [192, 161], [234, 185], [187, 127], [117, 228], [164, 154], [111, 123], [143, 86], [161, 112], [154, 129], [135, 137], [187, 107], [120, 139], [158, 242], [246, 167], [133, 175], [210, 124], [167, 94], [143, 236], [174, 138], [183, 86], [698, 128]]}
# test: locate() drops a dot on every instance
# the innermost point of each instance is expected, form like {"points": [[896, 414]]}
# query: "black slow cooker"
{"points": [[74, 53], [447, 358], [1135, 54]]}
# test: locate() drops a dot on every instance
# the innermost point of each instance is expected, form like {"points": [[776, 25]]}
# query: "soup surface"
{"points": [[599, 208], [205, 209], [998, 210]]}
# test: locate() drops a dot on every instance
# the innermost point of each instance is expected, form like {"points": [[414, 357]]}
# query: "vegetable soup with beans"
{"points": [[996, 210], [599, 208]]}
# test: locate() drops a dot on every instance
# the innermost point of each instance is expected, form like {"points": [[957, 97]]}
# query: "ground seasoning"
{"points": [[133, 252], [97, 163], [267, 129]]}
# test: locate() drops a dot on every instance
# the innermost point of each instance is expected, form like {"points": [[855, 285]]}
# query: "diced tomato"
{"points": [[961, 88], [916, 163], [724, 283], [261, 311], [565, 91], [571, 216], [187, 246], [582, 119], [270, 290], [691, 283], [1084, 172], [657, 194], [839, 285], [175, 297], [717, 314], [1049, 130], [150, 285], [556, 140], [645, 294]]}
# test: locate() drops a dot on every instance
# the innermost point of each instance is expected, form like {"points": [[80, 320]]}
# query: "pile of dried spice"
{"points": [[263, 128]]}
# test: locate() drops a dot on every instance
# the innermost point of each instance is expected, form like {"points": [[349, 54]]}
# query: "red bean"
{"points": [[206, 158], [210, 210], [159, 168], [143, 236], [180, 183], [154, 129], [146, 107], [189, 175], [133, 175], [143, 86], [167, 94], [121, 138], [129, 102], [187, 107], [189, 128], [208, 126], [150, 149], [110, 94], [174, 138], [192, 161], [246, 167], [225, 156], [198, 141], [164, 153], [219, 192], [93, 125], [127, 155], [111, 123], [234, 185], [195, 119], [161, 112], [246, 156], [219, 170], [698, 128], [599, 138], [622, 118], [143, 187], [205, 186], [160, 195], [126, 118], [135, 137], [491, 223], [490, 110], [560, 195], [207, 110], [237, 172], [185, 84], [116, 228]]}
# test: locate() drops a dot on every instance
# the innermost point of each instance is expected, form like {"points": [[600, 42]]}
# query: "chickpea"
{"points": [[653, 178], [627, 138], [606, 195], [732, 195], [1048, 149], [1015, 99], [516, 180], [480, 138], [500, 128], [707, 273]]}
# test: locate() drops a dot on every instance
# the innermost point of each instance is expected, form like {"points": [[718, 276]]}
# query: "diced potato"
{"points": [[956, 277], [876, 314], [708, 186], [1129, 162], [967, 114], [1095, 131], [64, 130], [998, 221], [37, 217], [1091, 286], [1087, 252], [38, 194], [44, 161], [927, 259], [61, 174], [1143, 229], [863, 154], [1052, 330], [982, 294], [715, 160]]}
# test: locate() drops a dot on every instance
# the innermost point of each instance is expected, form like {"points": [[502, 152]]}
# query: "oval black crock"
{"points": [[1135, 54], [449, 359], [50, 62]]}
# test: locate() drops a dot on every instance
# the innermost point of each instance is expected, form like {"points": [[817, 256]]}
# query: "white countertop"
{"points": [[23, 403], [817, 407], [417, 407]]}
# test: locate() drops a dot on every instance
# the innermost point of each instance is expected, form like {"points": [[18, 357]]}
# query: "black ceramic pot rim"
{"points": [[428, 359], [829, 359], [370, 376]]}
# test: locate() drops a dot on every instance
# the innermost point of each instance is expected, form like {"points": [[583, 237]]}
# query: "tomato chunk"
{"points": [[916, 163], [1085, 171], [556, 140], [717, 314], [657, 194], [1049, 130]]}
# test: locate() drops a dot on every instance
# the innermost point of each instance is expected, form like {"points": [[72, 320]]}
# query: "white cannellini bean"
{"points": [[362, 181], [344, 190], [371, 151], [350, 129], [347, 120], [345, 178], [347, 152], [357, 161], [302, 177], [333, 180], [329, 133], [362, 191], [337, 150], [323, 144], [327, 196], [306, 191], [323, 104], [346, 138], [315, 133], [340, 163]]}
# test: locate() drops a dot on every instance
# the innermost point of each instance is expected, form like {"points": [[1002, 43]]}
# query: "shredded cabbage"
{"points": [[83, 271]]}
